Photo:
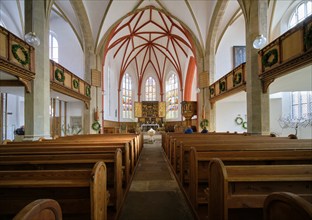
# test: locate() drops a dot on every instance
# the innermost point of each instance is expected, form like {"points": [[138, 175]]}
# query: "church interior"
{"points": [[156, 109]]}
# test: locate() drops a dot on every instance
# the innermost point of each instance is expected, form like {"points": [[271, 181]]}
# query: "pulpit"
{"points": [[189, 109]]}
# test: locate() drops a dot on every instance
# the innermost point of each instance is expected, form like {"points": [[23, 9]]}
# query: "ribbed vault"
{"points": [[150, 40]]}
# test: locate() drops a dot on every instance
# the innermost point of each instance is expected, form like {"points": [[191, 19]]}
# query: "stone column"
{"points": [[90, 63], [258, 114], [203, 110], [37, 118]]}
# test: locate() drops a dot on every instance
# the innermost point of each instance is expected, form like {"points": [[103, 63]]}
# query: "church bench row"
{"points": [[137, 139], [245, 187], [182, 158], [134, 142], [173, 142], [47, 209], [69, 161], [197, 175], [81, 193], [74, 148]]}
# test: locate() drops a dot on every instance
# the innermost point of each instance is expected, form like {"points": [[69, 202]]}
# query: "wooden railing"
{"points": [[16, 59], [288, 52], [64, 81], [229, 84]]}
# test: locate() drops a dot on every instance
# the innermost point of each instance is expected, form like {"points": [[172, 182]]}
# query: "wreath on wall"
{"points": [[239, 120], [266, 57], [244, 125], [75, 83], [222, 86], [237, 79], [59, 75], [96, 126], [204, 123], [308, 38], [88, 91], [15, 48]]}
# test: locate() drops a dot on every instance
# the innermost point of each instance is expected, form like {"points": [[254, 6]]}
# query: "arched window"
{"points": [[172, 97], [150, 89], [53, 46], [303, 10], [127, 96]]}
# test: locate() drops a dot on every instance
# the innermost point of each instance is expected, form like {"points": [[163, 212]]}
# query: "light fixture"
{"points": [[32, 39], [259, 42], [198, 90]]}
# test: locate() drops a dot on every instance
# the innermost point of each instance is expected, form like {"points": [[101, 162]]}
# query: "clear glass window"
{"points": [[303, 10], [53, 46], [127, 96]]}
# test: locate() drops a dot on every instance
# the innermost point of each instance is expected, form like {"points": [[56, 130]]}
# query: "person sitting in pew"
{"points": [[204, 131], [189, 130]]}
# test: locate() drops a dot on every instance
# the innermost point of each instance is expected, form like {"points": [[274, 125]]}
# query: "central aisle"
{"points": [[154, 192]]}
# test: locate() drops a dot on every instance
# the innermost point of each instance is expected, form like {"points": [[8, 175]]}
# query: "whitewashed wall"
{"points": [[227, 111], [233, 36], [70, 51]]}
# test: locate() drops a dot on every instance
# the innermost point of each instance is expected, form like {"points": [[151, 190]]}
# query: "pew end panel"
{"points": [[286, 206], [41, 209], [217, 181], [98, 192]]}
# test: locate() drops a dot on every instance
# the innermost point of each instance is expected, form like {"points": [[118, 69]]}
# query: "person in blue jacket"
{"points": [[189, 130]]}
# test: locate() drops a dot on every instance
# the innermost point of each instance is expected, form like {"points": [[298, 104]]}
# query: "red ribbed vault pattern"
{"points": [[150, 40]]}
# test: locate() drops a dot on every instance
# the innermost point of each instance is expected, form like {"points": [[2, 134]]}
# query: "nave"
{"points": [[154, 192]]}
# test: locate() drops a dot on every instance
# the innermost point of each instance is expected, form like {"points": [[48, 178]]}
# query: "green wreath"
{"points": [[59, 75], [266, 57], [88, 91], [96, 126], [237, 79], [239, 120], [204, 123], [222, 86], [308, 38], [244, 125], [211, 91], [75, 83], [15, 48]]}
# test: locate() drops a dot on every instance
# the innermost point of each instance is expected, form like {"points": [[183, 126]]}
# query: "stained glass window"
{"points": [[150, 89], [127, 96], [172, 97]]}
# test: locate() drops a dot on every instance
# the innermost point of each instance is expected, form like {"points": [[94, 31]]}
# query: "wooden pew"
{"points": [[70, 148], [72, 160], [286, 206], [246, 186], [40, 209], [183, 156], [199, 165], [130, 141], [136, 139], [81, 193]]}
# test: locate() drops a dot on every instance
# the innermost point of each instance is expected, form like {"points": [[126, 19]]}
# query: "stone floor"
{"points": [[154, 192]]}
